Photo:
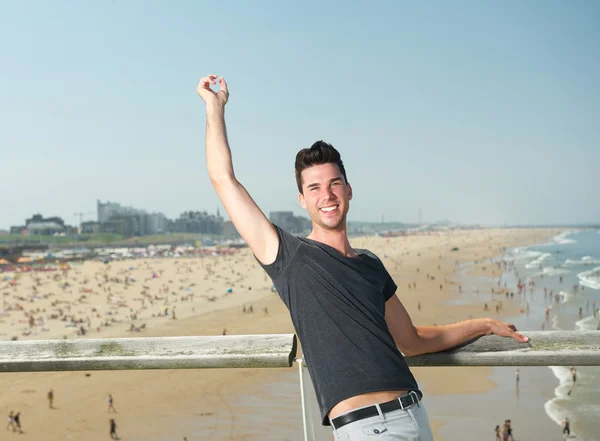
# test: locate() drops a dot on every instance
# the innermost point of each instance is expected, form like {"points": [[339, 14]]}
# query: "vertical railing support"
{"points": [[307, 423]]}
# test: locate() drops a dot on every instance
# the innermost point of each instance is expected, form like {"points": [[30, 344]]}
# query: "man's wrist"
{"points": [[215, 107], [485, 325]]}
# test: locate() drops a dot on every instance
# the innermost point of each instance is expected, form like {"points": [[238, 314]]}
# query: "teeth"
{"points": [[329, 208]]}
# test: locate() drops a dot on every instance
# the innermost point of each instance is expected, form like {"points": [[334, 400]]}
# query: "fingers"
{"points": [[516, 335], [223, 85], [210, 79], [519, 337]]}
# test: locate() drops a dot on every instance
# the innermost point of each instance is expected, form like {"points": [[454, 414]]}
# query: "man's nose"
{"points": [[328, 193]]}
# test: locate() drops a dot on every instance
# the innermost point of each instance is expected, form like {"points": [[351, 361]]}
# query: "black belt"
{"points": [[371, 411]]}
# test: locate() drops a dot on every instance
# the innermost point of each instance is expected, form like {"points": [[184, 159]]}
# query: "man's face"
{"points": [[326, 195]]}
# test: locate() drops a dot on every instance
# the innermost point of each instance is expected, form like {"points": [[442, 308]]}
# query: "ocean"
{"points": [[566, 290]]}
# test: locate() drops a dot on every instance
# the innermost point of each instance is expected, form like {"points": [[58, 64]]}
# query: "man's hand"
{"points": [[208, 95], [505, 330]]}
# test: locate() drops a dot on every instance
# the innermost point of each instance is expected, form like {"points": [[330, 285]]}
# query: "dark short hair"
{"points": [[319, 153]]}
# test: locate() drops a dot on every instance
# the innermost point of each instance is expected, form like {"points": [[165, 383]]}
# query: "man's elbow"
{"points": [[414, 345], [221, 180], [412, 352]]}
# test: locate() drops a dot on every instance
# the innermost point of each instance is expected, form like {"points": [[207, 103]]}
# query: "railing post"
{"points": [[307, 423]]}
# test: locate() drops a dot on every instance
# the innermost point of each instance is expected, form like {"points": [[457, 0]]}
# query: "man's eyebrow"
{"points": [[316, 184]]}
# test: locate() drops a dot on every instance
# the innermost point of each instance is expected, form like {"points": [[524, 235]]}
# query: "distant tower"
{"points": [[420, 215], [218, 213]]}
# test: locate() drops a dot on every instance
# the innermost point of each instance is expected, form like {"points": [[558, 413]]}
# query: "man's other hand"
{"points": [[505, 330], [208, 95]]}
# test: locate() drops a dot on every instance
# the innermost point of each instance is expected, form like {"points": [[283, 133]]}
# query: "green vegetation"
{"points": [[113, 240]]}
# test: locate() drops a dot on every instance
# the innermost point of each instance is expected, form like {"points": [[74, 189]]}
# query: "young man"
{"points": [[341, 300]]}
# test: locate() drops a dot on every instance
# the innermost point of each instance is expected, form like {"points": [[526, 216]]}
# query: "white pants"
{"points": [[408, 424]]}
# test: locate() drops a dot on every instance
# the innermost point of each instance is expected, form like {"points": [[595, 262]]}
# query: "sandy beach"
{"points": [[439, 277]]}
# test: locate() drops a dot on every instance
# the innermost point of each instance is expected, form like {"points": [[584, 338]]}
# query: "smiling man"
{"points": [[354, 330]]}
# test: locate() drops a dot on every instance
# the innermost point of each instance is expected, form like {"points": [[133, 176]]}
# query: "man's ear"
{"points": [[349, 192], [302, 200]]}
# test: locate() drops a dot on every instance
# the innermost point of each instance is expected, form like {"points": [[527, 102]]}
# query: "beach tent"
{"points": [[4, 262]]}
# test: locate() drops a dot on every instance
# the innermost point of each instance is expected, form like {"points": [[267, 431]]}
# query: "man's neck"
{"points": [[334, 238]]}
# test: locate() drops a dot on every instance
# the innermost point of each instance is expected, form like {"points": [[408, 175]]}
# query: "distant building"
{"points": [[107, 210], [121, 225], [198, 222], [289, 222], [18, 229], [156, 223], [129, 221], [90, 227], [38, 225]]}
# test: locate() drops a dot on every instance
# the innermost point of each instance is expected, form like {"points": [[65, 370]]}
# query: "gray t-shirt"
{"points": [[337, 305]]}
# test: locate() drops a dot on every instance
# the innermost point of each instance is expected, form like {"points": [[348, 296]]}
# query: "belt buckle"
{"points": [[414, 398]]}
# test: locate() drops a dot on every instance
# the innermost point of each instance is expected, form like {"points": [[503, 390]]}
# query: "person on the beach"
{"points": [[11, 421], [111, 403], [517, 375], [505, 431], [17, 419], [113, 429], [497, 430], [353, 328], [566, 427], [50, 398], [509, 430]]}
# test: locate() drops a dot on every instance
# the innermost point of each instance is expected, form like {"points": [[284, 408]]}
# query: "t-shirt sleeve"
{"points": [[288, 245], [390, 286]]}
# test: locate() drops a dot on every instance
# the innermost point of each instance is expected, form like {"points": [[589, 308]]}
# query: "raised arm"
{"points": [[249, 220]]}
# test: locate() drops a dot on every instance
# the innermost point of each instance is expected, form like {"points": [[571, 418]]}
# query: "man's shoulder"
{"points": [[368, 253]]}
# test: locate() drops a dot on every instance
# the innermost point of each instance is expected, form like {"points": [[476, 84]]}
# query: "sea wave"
{"points": [[590, 279], [562, 238], [587, 324], [551, 271], [566, 296], [538, 261], [520, 254], [565, 381], [586, 260], [555, 407]]}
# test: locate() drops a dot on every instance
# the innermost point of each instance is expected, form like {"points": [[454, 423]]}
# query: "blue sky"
{"points": [[476, 111]]}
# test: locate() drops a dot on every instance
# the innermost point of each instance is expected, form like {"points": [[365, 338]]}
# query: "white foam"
{"points": [[587, 324], [587, 260], [554, 411], [564, 380], [566, 296], [538, 261], [590, 279], [525, 254], [551, 271], [561, 239]]}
